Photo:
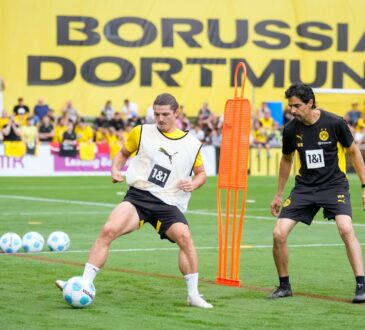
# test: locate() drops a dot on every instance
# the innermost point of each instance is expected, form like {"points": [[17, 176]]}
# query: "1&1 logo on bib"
{"points": [[314, 158], [159, 175]]}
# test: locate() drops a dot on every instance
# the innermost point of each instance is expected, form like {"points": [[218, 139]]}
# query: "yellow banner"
{"points": [[91, 51]]}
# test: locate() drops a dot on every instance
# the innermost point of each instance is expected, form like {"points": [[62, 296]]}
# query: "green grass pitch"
{"points": [[141, 287]]}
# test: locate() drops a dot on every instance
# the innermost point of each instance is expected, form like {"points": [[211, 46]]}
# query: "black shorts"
{"points": [[154, 211], [304, 202]]}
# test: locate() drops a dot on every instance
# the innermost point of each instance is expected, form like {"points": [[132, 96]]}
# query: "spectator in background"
{"points": [[40, 110], [84, 133], [198, 133], [208, 137], [216, 137], [275, 137], [150, 116], [19, 106], [204, 117], [59, 129], [11, 130], [108, 110], [114, 142], [100, 121], [29, 135], [117, 122], [2, 89], [134, 121], [353, 114], [129, 109], [4, 119], [204, 112], [360, 122], [69, 142], [359, 131], [205, 120], [102, 133], [260, 137], [51, 115], [126, 132], [120, 135], [70, 112], [267, 121], [260, 112], [46, 130], [182, 122], [111, 135], [359, 137], [21, 117], [220, 121], [268, 124], [287, 115]]}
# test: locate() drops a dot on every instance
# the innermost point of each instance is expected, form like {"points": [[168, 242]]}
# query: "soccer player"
{"points": [[321, 140], [160, 182]]}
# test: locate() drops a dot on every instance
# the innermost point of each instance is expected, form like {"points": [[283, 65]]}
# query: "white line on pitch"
{"points": [[263, 246], [58, 187], [53, 200], [54, 213], [197, 212]]}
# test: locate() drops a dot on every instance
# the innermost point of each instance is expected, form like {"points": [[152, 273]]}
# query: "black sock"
{"points": [[284, 281], [360, 280]]}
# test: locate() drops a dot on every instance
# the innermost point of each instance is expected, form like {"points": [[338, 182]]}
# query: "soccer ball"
{"points": [[10, 243], [33, 242], [79, 292], [58, 241]]}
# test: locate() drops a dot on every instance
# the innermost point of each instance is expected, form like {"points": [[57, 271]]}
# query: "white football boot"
{"points": [[198, 301], [60, 284]]}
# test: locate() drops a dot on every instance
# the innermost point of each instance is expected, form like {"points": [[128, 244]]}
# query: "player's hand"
{"points": [[186, 185], [275, 205], [117, 176]]}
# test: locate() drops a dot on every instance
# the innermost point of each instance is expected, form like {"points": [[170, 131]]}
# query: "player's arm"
{"points": [[199, 176], [117, 164], [358, 164], [284, 172], [197, 181], [130, 146]]}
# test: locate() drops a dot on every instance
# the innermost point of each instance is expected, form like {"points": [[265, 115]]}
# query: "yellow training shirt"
{"points": [[132, 141]]}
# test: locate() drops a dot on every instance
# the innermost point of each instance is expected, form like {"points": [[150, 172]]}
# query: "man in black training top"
{"points": [[321, 140]]}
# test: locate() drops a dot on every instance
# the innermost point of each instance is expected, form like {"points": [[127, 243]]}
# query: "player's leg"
{"points": [[188, 262], [354, 254], [122, 220], [280, 253], [188, 258], [353, 248], [280, 246]]}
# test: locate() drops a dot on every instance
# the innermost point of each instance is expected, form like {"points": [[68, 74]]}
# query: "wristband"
{"points": [[363, 185]]}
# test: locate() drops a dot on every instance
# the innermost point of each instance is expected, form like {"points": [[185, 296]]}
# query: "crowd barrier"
{"points": [[46, 163]]}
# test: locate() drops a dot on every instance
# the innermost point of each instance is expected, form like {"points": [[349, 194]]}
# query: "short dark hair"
{"points": [[166, 99], [301, 91]]}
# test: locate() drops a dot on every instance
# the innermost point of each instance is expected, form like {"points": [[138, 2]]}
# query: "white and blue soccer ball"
{"points": [[58, 241], [10, 243], [79, 292], [33, 242]]}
